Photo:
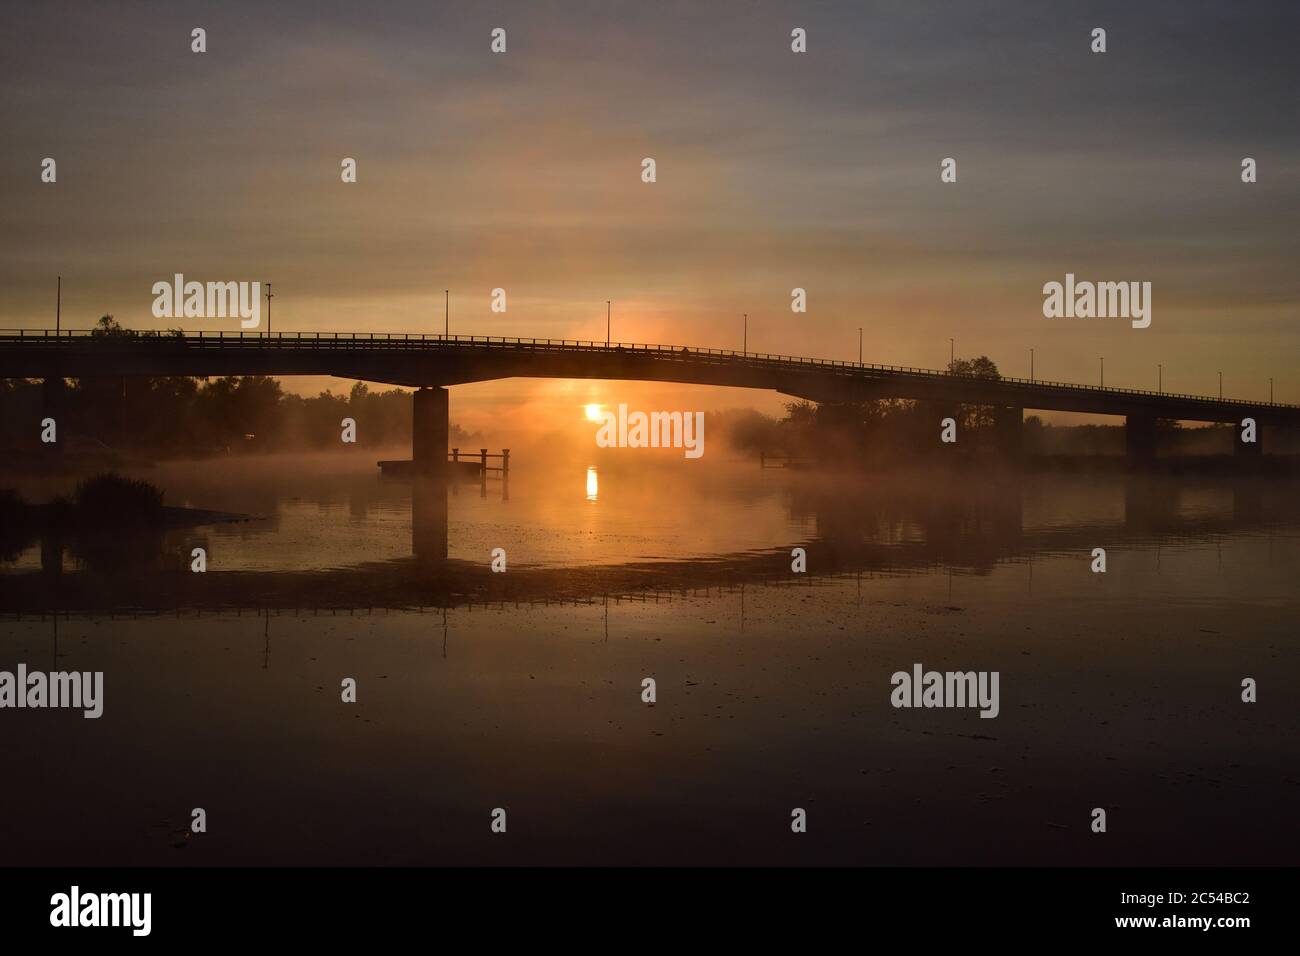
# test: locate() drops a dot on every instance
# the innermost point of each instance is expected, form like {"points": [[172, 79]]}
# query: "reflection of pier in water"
{"points": [[429, 499], [971, 531]]}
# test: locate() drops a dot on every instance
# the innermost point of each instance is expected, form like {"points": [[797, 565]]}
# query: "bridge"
{"points": [[430, 363]]}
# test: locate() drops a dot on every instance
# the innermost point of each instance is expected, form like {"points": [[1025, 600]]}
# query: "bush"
{"points": [[110, 499]]}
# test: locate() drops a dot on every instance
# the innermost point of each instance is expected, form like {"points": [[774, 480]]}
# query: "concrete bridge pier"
{"points": [[429, 434], [429, 431], [1140, 438], [1008, 425]]}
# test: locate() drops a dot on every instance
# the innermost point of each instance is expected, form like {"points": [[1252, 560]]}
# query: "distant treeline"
{"points": [[189, 416], [883, 430], [192, 416], [890, 430]]}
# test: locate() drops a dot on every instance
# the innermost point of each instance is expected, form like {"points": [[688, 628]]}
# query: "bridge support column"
{"points": [[429, 434], [1140, 438], [1009, 427], [429, 431]]}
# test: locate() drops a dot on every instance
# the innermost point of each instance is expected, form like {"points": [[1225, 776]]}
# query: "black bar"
{"points": [[982, 908]]}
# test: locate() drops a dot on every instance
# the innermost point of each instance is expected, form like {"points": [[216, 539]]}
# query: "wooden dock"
{"points": [[768, 460], [458, 465]]}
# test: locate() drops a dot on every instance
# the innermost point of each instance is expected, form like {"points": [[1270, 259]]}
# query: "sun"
{"points": [[594, 413]]}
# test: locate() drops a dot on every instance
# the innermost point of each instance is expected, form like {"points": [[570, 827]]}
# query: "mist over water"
{"points": [[322, 511], [478, 690]]}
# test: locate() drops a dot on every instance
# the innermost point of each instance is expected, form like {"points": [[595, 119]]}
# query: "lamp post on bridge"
{"points": [[744, 342], [609, 308], [1103, 371], [952, 354], [859, 346], [446, 313], [58, 309], [1270, 390], [269, 297], [1160, 379], [1031, 366], [1220, 386]]}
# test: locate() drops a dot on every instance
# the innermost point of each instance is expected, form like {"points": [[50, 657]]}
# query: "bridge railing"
{"points": [[71, 338]]}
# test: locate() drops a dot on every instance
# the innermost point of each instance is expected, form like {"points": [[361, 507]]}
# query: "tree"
{"points": [[975, 416], [982, 367]]}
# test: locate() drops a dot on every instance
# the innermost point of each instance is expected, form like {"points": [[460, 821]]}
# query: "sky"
{"points": [[775, 170]]}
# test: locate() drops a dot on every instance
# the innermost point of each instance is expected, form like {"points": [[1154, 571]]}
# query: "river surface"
{"points": [[523, 691]]}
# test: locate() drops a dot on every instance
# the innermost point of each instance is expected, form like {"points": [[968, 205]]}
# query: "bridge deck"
{"points": [[426, 360]]}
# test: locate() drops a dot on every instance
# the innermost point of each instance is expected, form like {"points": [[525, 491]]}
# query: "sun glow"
{"points": [[593, 412]]}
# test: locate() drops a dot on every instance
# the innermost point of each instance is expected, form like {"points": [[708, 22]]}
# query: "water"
{"points": [[523, 690]]}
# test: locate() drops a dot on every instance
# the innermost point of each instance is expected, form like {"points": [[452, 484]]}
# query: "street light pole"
{"points": [[58, 309], [1103, 371], [609, 308], [952, 354], [1031, 365], [446, 313], [744, 342], [269, 297], [859, 346], [1220, 385], [1160, 379], [1270, 390]]}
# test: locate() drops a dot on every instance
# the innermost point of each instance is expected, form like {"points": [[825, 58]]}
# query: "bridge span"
{"points": [[430, 363]]}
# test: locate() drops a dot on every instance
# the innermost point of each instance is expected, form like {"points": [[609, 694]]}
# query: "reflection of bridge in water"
{"points": [[430, 363], [972, 532]]}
